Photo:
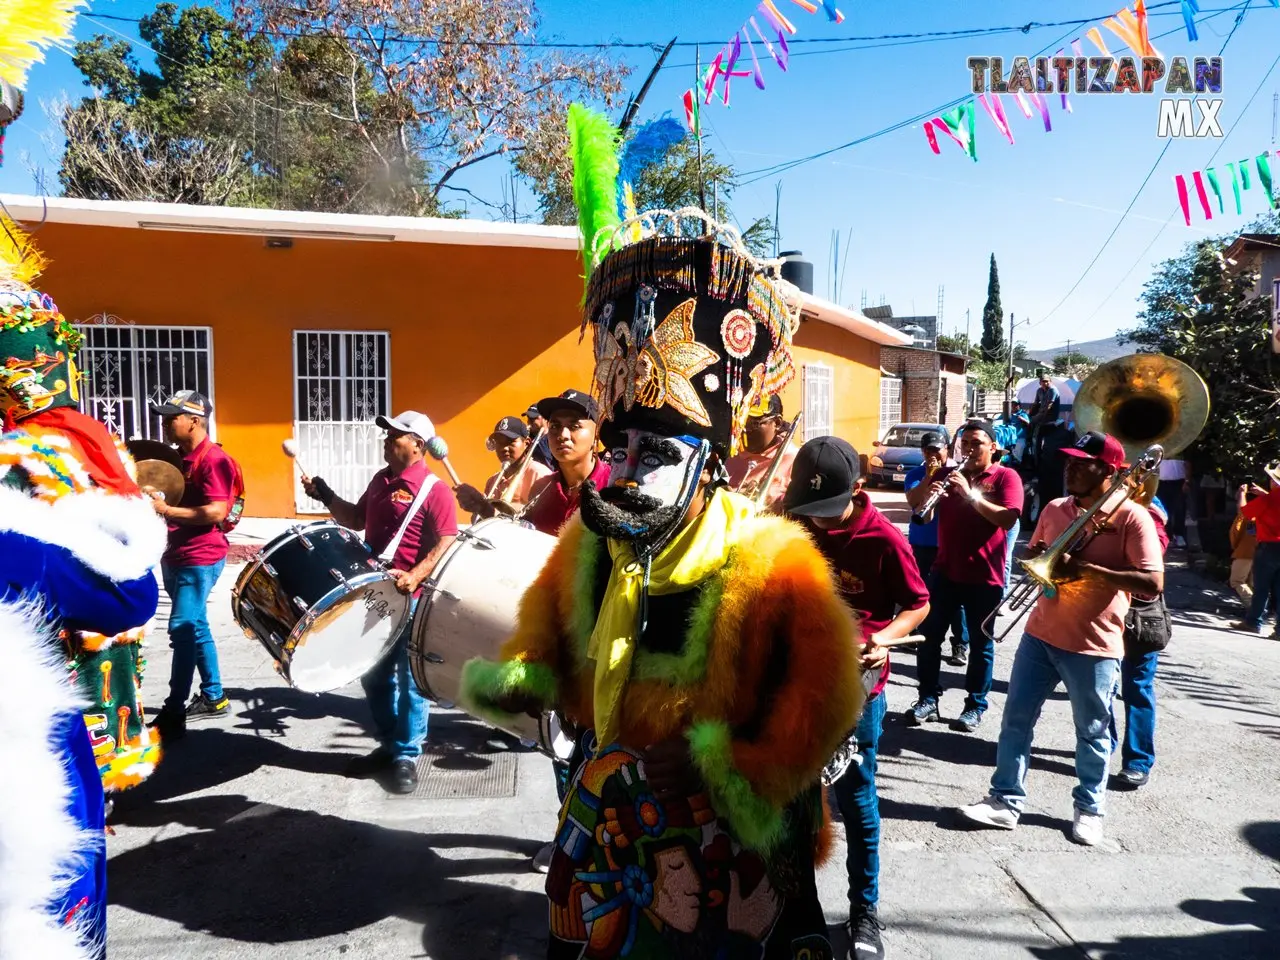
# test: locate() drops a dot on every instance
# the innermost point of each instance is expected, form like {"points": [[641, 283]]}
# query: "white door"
{"points": [[342, 381]]}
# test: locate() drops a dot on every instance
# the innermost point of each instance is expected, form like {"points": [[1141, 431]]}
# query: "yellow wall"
{"points": [[477, 333]]}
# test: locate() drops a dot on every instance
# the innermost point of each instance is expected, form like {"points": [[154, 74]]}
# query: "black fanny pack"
{"points": [[1147, 626]]}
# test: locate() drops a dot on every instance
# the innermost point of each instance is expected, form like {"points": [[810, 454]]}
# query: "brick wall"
{"points": [[954, 387], [921, 386]]}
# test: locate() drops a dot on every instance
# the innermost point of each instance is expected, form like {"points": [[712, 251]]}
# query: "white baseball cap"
{"points": [[411, 421]]}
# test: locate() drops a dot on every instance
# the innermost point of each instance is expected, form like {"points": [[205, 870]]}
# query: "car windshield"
{"points": [[906, 436]]}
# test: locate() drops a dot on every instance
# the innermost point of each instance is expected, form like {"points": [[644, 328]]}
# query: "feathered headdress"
{"points": [[593, 144], [27, 29]]}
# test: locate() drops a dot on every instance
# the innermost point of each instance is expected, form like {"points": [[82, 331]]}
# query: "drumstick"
{"points": [[439, 448], [290, 448], [902, 641]]}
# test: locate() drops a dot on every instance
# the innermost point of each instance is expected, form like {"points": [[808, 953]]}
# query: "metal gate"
{"points": [[342, 381], [818, 401], [890, 403], [127, 367]]}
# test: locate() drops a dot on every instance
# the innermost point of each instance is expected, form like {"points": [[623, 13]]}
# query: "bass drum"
{"points": [[321, 604], [468, 609]]}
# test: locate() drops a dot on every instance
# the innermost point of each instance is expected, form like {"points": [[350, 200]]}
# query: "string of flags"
{"points": [[1239, 172], [777, 27]]}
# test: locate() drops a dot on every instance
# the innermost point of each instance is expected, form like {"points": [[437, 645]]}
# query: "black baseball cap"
{"points": [[532, 411], [932, 440], [583, 404], [513, 428], [190, 402], [822, 478], [982, 425]]}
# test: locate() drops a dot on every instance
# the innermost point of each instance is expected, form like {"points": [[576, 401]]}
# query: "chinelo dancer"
{"points": [[694, 822]]}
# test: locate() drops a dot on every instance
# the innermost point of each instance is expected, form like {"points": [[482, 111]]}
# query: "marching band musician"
{"points": [[510, 442], [571, 420], [1076, 637], [399, 710], [981, 501], [877, 577], [748, 469]]}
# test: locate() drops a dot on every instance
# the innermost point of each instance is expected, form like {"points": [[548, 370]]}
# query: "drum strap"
{"points": [[390, 550]]}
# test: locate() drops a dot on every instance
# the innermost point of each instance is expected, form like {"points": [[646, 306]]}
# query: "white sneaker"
{"points": [[991, 812], [1087, 828], [542, 859]]}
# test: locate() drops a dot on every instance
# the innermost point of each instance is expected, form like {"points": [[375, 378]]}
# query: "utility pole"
{"points": [[777, 215], [1008, 383], [967, 351]]}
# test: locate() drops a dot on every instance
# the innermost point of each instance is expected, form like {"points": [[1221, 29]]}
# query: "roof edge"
{"points": [[853, 322]]}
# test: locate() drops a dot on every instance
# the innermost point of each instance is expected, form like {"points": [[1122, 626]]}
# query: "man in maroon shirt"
{"points": [[193, 561], [981, 502], [571, 428], [878, 578], [399, 710]]}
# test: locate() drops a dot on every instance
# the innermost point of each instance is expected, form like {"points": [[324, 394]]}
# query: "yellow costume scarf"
{"points": [[694, 554]]}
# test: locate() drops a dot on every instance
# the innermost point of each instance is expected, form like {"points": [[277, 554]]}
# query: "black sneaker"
{"points": [[959, 655], [968, 721], [404, 777], [202, 708], [362, 767], [924, 710], [170, 724], [1133, 779], [865, 941]]}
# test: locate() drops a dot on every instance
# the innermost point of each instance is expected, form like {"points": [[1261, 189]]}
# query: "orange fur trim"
{"points": [[824, 840]]}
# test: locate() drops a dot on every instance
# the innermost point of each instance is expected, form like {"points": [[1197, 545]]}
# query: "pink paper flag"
{"points": [[946, 128], [931, 136], [1183, 199], [715, 71], [1204, 197], [1022, 103], [996, 112]]}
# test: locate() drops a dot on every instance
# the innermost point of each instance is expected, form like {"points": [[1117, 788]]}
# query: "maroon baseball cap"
{"points": [[1098, 446]]}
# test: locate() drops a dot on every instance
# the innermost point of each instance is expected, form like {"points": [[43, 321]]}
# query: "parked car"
{"points": [[899, 451]]}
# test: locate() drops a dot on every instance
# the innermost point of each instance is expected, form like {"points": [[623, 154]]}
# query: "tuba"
{"points": [[1155, 406]]}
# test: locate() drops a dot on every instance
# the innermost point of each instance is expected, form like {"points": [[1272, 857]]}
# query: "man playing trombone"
{"points": [[1076, 636], [511, 486]]}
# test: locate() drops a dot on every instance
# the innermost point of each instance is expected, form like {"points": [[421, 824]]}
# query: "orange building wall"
{"points": [[477, 333]]}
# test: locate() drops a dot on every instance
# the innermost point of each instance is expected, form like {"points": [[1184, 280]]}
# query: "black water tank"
{"points": [[797, 270]]}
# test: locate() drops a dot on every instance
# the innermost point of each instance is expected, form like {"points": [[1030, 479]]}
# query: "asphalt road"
{"points": [[248, 842]]}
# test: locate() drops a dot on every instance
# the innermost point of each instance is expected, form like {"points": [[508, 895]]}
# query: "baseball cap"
{"points": [[1097, 446], [982, 425], [822, 478], [190, 402], [513, 428], [532, 411], [411, 421], [580, 403], [932, 440]]}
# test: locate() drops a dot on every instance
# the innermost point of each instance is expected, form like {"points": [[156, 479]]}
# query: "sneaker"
{"points": [[865, 940], [170, 724], [1087, 828], [1244, 626], [542, 859], [1133, 778], [959, 655], [991, 812], [363, 767], [202, 708], [1180, 542], [968, 721], [925, 709], [404, 776]]}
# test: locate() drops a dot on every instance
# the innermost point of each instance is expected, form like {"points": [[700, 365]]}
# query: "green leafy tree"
{"points": [[993, 347], [1074, 365]]}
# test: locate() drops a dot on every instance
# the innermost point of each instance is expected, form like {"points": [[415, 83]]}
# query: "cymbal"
{"points": [[154, 450], [162, 477]]}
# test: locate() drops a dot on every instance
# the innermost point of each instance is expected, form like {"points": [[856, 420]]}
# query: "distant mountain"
{"points": [[1107, 349]]}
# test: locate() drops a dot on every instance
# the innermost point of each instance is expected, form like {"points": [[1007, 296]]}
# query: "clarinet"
{"points": [[929, 506]]}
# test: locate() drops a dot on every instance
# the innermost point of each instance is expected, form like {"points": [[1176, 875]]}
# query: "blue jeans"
{"points": [[1266, 583], [1138, 686], [1008, 554], [946, 598], [399, 710], [924, 556], [860, 810], [1091, 686], [189, 635]]}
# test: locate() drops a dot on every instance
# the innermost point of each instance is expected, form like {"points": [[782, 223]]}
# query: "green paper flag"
{"points": [[1264, 176], [1235, 186], [1212, 174], [1244, 174], [962, 116]]}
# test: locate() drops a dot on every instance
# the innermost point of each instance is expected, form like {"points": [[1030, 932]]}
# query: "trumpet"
{"points": [[925, 513]]}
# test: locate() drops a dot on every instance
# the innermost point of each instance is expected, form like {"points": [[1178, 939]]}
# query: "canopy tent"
{"points": [[1025, 393]]}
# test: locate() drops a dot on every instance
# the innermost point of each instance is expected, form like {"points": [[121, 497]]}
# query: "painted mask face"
{"points": [[646, 479]]}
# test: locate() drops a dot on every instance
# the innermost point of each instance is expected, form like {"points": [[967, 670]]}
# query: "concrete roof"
{"points": [[254, 221]]}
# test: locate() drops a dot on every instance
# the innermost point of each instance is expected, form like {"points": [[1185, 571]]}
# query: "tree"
{"points": [[1200, 309], [1074, 365], [957, 344], [993, 347]]}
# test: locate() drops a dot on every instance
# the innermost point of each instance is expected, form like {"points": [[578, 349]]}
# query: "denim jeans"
{"points": [[1010, 543], [924, 557], [399, 710], [860, 810], [946, 598], [1091, 685], [189, 635], [1266, 583], [1138, 687]]}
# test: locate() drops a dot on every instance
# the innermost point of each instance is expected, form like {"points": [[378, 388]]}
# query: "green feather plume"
{"points": [[593, 145]]}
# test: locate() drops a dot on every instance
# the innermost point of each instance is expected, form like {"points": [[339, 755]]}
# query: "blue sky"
{"points": [[1044, 206]]}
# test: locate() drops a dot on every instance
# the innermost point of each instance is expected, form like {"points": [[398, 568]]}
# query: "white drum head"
{"points": [[348, 638]]}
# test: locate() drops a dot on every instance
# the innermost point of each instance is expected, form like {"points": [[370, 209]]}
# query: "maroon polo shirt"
{"points": [[551, 504], [971, 549], [210, 477], [387, 499], [876, 572]]}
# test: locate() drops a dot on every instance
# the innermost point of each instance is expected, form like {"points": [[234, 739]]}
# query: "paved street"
{"points": [[248, 842]]}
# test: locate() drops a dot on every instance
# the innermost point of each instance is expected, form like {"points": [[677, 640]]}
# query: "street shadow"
{"points": [[290, 876]]}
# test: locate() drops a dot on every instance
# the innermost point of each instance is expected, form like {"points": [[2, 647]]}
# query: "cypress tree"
{"points": [[993, 347]]}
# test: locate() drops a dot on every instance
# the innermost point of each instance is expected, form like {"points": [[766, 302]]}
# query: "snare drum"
{"points": [[321, 604], [468, 609]]}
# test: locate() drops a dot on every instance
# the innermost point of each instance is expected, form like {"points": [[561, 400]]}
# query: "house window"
{"points": [[126, 368], [342, 381], [890, 402], [819, 417]]}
